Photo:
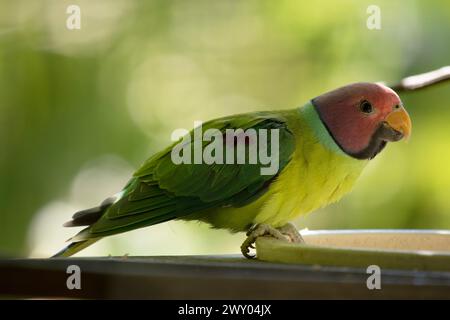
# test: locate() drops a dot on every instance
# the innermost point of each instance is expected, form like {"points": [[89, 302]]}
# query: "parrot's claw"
{"points": [[260, 230], [291, 231]]}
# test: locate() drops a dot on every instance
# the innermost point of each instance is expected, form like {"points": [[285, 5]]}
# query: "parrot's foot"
{"points": [[291, 231], [260, 230], [288, 232]]}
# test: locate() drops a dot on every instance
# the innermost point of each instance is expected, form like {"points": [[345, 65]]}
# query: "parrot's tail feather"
{"points": [[89, 216], [74, 247]]}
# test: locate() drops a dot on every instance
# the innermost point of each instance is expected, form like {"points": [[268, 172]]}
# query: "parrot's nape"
{"points": [[322, 148]]}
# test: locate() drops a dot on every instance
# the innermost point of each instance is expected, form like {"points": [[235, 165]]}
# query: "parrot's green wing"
{"points": [[161, 190]]}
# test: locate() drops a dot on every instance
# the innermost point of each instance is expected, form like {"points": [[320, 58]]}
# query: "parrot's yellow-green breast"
{"points": [[318, 174]]}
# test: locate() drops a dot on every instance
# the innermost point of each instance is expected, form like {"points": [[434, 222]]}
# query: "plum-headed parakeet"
{"points": [[321, 149]]}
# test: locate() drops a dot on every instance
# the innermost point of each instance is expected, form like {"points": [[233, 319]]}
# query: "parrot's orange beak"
{"points": [[400, 121]]}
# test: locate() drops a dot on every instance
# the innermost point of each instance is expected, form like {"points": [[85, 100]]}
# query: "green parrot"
{"points": [[321, 148]]}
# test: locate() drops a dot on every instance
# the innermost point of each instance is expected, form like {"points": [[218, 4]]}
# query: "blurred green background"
{"points": [[81, 109]]}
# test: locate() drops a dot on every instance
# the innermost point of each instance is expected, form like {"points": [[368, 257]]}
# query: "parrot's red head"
{"points": [[363, 117]]}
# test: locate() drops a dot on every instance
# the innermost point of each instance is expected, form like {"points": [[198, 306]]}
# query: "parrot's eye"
{"points": [[397, 106], [366, 107]]}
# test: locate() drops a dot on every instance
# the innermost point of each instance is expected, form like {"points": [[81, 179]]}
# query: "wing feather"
{"points": [[161, 191]]}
